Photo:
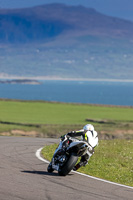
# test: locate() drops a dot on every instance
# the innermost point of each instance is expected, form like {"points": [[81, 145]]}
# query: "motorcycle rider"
{"points": [[87, 134]]}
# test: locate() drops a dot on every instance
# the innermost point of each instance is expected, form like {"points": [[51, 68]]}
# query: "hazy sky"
{"points": [[118, 8]]}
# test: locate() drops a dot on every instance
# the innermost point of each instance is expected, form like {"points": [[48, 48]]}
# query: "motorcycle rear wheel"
{"points": [[68, 166]]}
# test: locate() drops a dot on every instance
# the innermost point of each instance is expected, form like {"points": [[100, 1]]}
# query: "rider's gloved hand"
{"points": [[63, 137], [66, 136]]}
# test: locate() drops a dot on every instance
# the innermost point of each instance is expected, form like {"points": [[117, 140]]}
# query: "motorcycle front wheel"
{"points": [[68, 166]]}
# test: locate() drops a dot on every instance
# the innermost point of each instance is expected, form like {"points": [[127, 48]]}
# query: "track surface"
{"points": [[23, 176]]}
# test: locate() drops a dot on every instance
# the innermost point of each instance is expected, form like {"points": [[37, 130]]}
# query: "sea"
{"points": [[86, 92]]}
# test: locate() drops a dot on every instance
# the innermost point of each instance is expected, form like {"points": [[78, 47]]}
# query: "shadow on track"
{"points": [[43, 173], [40, 173]]}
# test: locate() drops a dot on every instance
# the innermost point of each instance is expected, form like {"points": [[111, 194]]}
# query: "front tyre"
{"points": [[68, 166]]}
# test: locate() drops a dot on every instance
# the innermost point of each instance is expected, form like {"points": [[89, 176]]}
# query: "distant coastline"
{"points": [[37, 79]]}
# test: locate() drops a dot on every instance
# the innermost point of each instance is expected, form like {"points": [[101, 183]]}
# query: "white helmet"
{"points": [[88, 127]]}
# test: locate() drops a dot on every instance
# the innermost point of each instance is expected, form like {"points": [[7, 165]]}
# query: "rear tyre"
{"points": [[63, 171]]}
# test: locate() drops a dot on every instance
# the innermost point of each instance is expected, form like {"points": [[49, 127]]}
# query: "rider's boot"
{"points": [[76, 167], [50, 168], [80, 164]]}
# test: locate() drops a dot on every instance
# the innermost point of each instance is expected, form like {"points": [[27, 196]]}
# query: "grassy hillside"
{"points": [[49, 21]]}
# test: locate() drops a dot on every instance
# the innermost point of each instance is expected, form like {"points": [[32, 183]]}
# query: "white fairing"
{"points": [[92, 138], [76, 142]]}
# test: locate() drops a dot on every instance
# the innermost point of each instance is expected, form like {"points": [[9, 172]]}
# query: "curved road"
{"points": [[23, 176]]}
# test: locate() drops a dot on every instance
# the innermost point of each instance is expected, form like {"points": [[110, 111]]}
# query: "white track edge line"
{"points": [[38, 152]]}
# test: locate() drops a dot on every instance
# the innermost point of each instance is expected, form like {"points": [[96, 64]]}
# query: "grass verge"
{"points": [[112, 161]]}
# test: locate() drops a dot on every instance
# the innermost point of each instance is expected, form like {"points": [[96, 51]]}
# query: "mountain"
{"points": [[62, 41], [49, 21]]}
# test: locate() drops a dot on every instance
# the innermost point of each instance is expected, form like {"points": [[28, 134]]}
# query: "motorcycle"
{"points": [[67, 154]]}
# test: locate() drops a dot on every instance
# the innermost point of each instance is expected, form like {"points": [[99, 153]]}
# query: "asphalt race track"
{"points": [[24, 176]]}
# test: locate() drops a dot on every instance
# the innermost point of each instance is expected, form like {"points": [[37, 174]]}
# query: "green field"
{"points": [[59, 113], [51, 119]]}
